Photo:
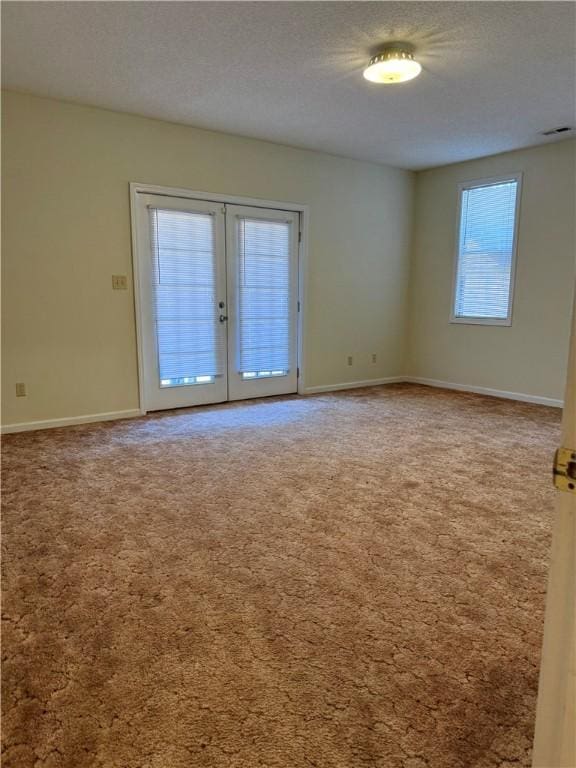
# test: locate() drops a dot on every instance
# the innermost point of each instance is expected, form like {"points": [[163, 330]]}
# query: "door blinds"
{"points": [[264, 296], [190, 344]]}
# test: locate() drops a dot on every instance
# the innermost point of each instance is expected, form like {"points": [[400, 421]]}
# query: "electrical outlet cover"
{"points": [[119, 282]]}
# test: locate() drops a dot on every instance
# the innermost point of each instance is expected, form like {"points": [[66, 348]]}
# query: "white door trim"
{"points": [[137, 188]]}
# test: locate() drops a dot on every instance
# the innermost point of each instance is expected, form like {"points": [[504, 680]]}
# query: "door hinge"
{"points": [[565, 469], [298, 306], [297, 373], [299, 237]]}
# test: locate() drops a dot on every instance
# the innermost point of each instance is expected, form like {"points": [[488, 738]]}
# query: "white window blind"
{"points": [[486, 251], [190, 346], [263, 297]]}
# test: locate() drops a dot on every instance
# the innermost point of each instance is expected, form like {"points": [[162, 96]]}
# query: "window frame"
{"points": [[461, 188]]}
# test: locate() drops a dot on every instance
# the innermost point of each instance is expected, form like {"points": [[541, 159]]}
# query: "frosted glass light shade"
{"points": [[392, 65]]}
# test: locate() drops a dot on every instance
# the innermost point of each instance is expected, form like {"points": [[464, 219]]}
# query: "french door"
{"points": [[218, 300]]}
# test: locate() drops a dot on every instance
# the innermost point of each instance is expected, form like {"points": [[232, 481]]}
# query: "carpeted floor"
{"points": [[352, 580]]}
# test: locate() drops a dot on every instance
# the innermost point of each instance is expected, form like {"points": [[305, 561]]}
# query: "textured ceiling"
{"points": [[495, 73]]}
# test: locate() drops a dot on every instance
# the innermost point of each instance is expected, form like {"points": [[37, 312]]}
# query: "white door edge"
{"points": [[555, 738]]}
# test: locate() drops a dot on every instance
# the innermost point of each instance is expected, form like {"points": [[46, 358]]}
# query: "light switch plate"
{"points": [[20, 389], [119, 282]]}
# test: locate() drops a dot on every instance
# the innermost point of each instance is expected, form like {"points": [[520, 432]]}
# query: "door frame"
{"points": [[303, 210]]}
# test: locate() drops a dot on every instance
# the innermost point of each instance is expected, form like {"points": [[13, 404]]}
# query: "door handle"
{"points": [[223, 318]]}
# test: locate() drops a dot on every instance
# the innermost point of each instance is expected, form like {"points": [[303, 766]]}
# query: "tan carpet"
{"points": [[353, 580]]}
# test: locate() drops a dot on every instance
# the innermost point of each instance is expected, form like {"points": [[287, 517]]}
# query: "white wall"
{"points": [[530, 357], [66, 230]]}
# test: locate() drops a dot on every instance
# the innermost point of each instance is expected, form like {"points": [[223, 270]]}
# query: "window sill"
{"points": [[507, 321]]}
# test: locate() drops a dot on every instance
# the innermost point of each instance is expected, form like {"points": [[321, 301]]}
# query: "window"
{"points": [[486, 251]]}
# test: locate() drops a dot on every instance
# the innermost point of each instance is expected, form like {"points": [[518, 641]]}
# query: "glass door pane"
{"points": [[185, 294]]}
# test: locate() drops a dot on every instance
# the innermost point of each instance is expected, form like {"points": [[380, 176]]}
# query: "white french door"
{"points": [[262, 260], [181, 282], [217, 290]]}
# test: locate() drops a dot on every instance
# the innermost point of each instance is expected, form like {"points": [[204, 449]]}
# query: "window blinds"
{"points": [[485, 251], [190, 344], [263, 296]]}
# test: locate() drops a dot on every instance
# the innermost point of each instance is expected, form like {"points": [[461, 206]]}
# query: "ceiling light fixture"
{"points": [[394, 64]]}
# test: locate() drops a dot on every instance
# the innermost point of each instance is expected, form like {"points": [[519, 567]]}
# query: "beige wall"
{"points": [[66, 230], [529, 357]]}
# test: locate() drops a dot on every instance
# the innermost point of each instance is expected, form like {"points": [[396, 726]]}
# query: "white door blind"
{"points": [[263, 297], [190, 344], [486, 251]]}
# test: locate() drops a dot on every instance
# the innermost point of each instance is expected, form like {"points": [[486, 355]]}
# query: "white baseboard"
{"points": [[28, 426], [485, 391], [353, 385]]}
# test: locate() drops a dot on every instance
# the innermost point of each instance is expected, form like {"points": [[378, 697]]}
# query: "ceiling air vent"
{"points": [[554, 131]]}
